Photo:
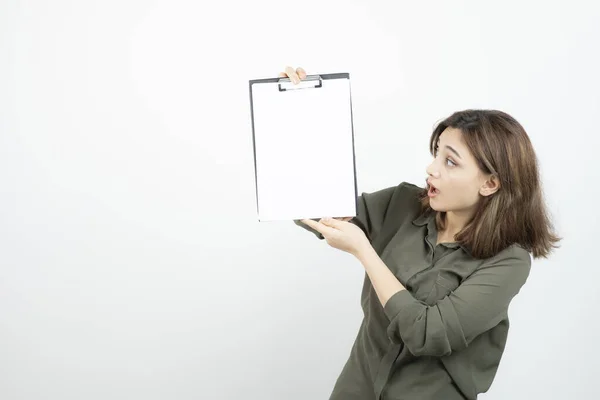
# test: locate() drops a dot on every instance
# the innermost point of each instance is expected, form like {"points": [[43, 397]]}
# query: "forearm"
{"points": [[410, 321], [383, 280]]}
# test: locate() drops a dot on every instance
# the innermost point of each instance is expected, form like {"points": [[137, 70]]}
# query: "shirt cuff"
{"points": [[397, 302]]}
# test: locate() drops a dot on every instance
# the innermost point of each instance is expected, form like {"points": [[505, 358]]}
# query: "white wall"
{"points": [[132, 265]]}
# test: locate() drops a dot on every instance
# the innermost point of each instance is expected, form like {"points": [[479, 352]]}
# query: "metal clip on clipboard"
{"points": [[286, 84]]}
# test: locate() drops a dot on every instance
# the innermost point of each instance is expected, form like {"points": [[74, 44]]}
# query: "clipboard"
{"points": [[303, 144]]}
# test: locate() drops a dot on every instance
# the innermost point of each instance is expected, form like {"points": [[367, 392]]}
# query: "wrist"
{"points": [[364, 252]]}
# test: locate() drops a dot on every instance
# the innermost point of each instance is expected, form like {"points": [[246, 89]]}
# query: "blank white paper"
{"points": [[304, 150]]}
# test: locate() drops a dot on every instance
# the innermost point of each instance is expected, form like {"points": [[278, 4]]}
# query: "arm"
{"points": [[369, 217], [476, 306]]}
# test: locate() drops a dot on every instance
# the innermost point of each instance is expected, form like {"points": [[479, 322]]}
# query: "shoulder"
{"points": [[404, 194], [410, 187], [511, 264], [404, 191], [405, 200], [514, 254]]}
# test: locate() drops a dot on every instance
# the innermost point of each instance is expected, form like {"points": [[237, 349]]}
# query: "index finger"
{"points": [[345, 219], [318, 226], [301, 72], [291, 73]]}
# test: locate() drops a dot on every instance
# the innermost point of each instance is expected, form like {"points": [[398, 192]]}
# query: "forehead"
{"points": [[451, 136]]}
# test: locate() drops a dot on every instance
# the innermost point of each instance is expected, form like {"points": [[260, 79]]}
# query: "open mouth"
{"points": [[432, 191]]}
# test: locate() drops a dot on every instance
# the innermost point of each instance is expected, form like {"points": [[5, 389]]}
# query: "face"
{"points": [[456, 176]]}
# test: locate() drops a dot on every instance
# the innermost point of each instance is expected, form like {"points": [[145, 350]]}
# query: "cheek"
{"points": [[468, 195], [462, 194]]}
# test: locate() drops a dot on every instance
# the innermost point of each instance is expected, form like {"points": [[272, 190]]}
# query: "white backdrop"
{"points": [[132, 265]]}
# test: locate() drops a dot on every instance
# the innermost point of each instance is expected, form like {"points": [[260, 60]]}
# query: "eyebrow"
{"points": [[451, 149]]}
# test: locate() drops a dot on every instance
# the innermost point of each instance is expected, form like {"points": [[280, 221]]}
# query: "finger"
{"points": [[318, 226], [285, 75], [291, 73], [332, 222], [344, 218], [301, 72], [313, 224]]}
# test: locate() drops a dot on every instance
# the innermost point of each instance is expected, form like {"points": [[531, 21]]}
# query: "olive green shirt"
{"points": [[444, 336]]}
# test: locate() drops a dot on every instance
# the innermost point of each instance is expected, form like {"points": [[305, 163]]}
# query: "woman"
{"points": [[442, 263]]}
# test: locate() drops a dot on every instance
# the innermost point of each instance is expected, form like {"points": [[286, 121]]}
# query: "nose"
{"points": [[432, 170]]}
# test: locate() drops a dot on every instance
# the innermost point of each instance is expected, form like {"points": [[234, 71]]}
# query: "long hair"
{"points": [[516, 212]]}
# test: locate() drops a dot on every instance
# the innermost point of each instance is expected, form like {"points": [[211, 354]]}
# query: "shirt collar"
{"points": [[424, 218], [428, 218]]}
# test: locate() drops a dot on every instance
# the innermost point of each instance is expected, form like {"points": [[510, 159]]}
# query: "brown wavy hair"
{"points": [[516, 212]]}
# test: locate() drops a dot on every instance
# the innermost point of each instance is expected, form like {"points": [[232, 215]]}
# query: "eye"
{"points": [[435, 154]]}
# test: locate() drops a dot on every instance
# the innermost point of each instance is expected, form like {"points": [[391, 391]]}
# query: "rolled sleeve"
{"points": [[476, 306]]}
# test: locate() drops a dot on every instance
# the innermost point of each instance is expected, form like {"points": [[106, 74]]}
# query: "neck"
{"points": [[454, 221]]}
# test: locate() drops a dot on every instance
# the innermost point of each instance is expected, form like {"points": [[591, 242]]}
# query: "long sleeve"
{"points": [[474, 307], [371, 212]]}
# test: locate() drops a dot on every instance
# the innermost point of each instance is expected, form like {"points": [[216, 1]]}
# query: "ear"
{"points": [[490, 186]]}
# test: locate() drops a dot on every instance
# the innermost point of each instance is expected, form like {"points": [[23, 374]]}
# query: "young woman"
{"points": [[442, 263]]}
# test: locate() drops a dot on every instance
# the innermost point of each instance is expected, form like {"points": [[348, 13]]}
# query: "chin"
{"points": [[435, 206]]}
